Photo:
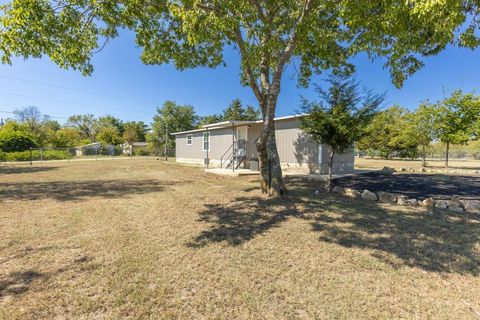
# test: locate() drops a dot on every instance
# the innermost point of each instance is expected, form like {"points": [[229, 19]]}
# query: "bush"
{"points": [[36, 155], [141, 152], [11, 141]]}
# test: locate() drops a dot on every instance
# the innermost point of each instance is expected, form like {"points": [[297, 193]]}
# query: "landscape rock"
{"points": [[352, 193], [403, 169], [368, 195], [412, 202], [387, 197], [427, 203], [441, 204], [472, 206], [338, 190], [455, 207], [402, 200], [455, 204], [388, 170], [423, 170]]}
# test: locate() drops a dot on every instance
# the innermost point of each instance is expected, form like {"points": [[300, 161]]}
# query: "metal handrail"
{"points": [[221, 158], [232, 154]]}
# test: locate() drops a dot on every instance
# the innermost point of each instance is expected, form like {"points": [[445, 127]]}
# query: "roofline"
{"points": [[223, 124]]}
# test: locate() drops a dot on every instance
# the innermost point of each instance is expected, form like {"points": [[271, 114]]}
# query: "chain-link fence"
{"points": [[89, 152], [432, 154]]}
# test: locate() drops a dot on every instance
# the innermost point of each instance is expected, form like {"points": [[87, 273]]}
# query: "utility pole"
{"points": [[166, 141]]}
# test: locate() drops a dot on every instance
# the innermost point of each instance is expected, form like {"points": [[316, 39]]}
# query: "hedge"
{"points": [[36, 155]]}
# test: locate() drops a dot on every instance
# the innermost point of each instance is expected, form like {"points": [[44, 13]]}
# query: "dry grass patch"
{"points": [[147, 239]]}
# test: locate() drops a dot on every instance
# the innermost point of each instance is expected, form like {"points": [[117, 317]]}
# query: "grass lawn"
{"points": [[148, 239]]}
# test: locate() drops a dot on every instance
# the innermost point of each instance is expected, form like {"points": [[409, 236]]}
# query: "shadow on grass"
{"points": [[78, 190], [434, 241], [19, 282], [19, 170]]}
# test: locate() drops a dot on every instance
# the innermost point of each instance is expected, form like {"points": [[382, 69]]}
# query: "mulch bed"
{"points": [[416, 185]]}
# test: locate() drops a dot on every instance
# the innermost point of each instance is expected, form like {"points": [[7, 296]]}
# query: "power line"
{"points": [[78, 90], [71, 102], [56, 117]]}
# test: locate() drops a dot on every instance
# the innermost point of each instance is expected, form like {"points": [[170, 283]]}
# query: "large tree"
{"points": [[455, 119], [339, 118], [170, 118], [86, 125], [420, 125], [235, 111], [268, 34], [389, 133]]}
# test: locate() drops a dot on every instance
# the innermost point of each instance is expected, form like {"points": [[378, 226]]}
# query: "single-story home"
{"points": [[231, 144], [128, 148], [94, 148]]}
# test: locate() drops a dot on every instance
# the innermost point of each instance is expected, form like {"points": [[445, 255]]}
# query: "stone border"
{"points": [[456, 204]]}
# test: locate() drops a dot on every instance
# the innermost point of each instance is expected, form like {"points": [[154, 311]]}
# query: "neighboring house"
{"points": [[128, 148], [231, 144], [94, 148]]}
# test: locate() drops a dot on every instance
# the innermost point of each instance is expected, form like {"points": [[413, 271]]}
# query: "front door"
{"points": [[242, 141]]}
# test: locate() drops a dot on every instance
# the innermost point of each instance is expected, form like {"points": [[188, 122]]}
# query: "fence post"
{"points": [[96, 151], [41, 155], [30, 156]]}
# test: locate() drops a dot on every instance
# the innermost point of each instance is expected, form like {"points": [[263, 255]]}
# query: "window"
{"points": [[206, 141], [189, 140]]}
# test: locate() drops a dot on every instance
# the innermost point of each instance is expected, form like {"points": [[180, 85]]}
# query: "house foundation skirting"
{"points": [[213, 162], [319, 168], [338, 167]]}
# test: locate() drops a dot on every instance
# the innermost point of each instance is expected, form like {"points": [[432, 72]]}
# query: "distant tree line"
{"points": [[397, 131], [32, 129]]}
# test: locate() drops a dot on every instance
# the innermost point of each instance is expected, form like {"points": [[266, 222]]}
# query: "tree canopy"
{"points": [[170, 118]]}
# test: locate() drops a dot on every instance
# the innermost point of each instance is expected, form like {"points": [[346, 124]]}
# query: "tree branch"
{"points": [[248, 69], [287, 53]]}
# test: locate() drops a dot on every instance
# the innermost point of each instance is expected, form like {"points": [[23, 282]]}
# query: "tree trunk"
{"points": [[424, 155], [330, 170], [446, 155], [271, 181]]}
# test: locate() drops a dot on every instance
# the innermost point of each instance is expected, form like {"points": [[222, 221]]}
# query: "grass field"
{"points": [[405, 163], [148, 239]]}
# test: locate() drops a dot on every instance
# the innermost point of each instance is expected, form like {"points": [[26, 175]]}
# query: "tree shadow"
{"points": [[19, 282], [420, 186], [80, 190], [436, 241], [19, 170], [306, 152]]}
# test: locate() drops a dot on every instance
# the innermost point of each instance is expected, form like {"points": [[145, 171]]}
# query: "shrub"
{"points": [[36, 155], [141, 152], [11, 141]]}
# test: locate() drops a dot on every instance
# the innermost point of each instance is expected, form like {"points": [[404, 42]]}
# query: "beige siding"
{"points": [[194, 150], [295, 148], [220, 141]]}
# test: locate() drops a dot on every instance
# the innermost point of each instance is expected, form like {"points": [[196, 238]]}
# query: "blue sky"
{"points": [[131, 91]]}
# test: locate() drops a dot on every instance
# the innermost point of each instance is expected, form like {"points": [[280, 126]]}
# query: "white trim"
{"points": [[189, 131], [226, 124], [203, 140], [191, 139]]}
